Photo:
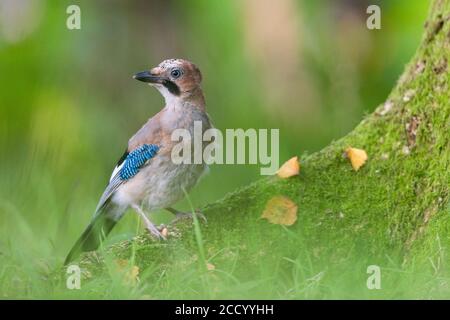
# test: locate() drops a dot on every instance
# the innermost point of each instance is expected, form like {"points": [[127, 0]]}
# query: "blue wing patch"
{"points": [[136, 159], [128, 166]]}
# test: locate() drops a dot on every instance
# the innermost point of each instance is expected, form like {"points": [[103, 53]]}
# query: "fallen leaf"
{"points": [[289, 168], [165, 232], [130, 273], [357, 157], [210, 266], [280, 210]]}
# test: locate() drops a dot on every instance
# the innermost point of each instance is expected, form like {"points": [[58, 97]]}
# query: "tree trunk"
{"points": [[393, 212]]}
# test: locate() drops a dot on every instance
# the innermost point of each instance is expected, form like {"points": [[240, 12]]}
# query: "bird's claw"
{"points": [[155, 232]]}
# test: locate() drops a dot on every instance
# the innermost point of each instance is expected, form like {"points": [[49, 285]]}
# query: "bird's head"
{"points": [[174, 78]]}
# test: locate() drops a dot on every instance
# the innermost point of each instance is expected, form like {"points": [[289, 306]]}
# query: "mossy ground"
{"points": [[394, 213]]}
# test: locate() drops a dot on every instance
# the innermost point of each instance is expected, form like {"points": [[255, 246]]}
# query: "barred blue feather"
{"points": [[136, 159]]}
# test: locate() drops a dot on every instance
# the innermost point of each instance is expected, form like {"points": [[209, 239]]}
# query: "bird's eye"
{"points": [[176, 73]]}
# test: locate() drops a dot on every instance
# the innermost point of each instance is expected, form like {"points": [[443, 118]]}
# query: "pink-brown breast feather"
{"points": [[151, 133]]}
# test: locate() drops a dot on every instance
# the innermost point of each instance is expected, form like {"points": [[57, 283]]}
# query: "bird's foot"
{"points": [[179, 215], [154, 231], [148, 224]]}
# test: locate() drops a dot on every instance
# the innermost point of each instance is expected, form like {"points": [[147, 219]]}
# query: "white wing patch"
{"points": [[116, 170]]}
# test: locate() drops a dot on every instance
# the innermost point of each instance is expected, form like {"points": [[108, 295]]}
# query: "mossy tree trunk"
{"points": [[393, 208]]}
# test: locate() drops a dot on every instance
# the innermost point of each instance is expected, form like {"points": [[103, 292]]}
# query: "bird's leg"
{"points": [[181, 215], [148, 224]]}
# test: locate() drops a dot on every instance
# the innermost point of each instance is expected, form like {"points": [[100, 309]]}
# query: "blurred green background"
{"points": [[68, 103]]}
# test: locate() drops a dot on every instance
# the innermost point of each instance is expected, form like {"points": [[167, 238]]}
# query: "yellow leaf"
{"points": [[280, 210], [130, 273], [289, 168], [357, 157]]}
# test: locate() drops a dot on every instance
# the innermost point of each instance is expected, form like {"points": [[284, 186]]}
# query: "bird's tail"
{"points": [[101, 225]]}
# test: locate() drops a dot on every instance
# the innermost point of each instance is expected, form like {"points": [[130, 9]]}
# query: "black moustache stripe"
{"points": [[172, 87]]}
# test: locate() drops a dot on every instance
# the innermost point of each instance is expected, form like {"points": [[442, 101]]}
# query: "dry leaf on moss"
{"points": [[280, 210], [130, 273], [289, 168], [357, 157]]}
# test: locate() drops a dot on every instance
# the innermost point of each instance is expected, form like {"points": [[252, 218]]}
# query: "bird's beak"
{"points": [[147, 76]]}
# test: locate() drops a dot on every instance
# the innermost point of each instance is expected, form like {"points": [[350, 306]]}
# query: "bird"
{"points": [[145, 178]]}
